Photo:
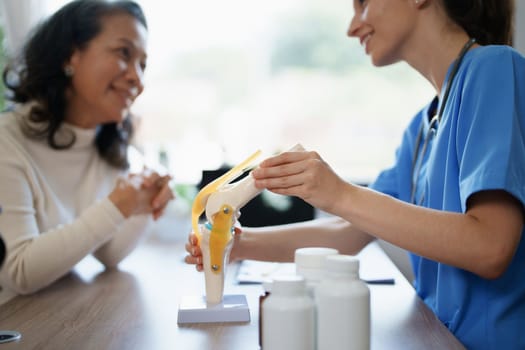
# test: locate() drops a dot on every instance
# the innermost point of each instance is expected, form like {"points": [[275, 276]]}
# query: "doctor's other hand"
{"points": [[195, 253], [303, 174]]}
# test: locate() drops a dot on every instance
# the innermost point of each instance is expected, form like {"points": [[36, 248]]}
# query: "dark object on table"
{"points": [[2, 251]]}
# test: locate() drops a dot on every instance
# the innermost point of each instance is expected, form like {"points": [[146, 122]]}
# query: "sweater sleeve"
{"points": [[131, 232], [36, 259], [127, 237]]}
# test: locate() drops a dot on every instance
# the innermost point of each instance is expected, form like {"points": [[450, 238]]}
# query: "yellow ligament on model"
{"points": [[199, 203], [220, 235]]}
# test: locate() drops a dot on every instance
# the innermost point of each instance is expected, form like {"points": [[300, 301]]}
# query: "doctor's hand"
{"points": [[302, 174], [195, 253]]}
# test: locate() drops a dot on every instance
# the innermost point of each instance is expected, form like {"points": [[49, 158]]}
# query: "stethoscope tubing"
{"points": [[433, 126]]}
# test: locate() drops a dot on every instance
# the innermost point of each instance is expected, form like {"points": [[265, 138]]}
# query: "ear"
{"points": [[73, 59]]}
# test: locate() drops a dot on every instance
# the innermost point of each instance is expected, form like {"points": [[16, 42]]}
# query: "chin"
{"points": [[379, 61], [113, 118], [381, 58]]}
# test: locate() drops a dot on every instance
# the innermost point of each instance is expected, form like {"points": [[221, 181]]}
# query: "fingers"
{"points": [[289, 173], [193, 239], [163, 181], [194, 260], [158, 213], [195, 253], [288, 157], [282, 158], [151, 178], [192, 246], [286, 164], [281, 182], [197, 261], [164, 195]]}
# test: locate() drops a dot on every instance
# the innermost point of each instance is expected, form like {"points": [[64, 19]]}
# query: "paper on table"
{"points": [[253, 271]]}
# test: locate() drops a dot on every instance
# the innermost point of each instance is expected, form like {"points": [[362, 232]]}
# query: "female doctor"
{"points": [[455, 195]]}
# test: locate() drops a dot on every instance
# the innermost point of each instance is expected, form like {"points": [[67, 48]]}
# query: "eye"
{"points": [[124, 52]]}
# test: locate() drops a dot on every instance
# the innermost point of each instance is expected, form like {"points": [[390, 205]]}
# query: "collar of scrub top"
{"points": [[417, 160]]}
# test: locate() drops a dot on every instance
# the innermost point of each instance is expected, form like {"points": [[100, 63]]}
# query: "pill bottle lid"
{"points": [[342, 263], [312, 257], [288, 285]]}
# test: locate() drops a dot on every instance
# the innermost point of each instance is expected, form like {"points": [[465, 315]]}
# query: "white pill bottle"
{"points": [[288, 316], [343, 306], [309, 263]]}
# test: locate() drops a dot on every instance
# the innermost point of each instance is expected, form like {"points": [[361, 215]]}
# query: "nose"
{"points": [[135, 76], [355, 25]]}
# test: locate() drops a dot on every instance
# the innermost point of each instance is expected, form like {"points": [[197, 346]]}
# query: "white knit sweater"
{"points": [[54, 208]]}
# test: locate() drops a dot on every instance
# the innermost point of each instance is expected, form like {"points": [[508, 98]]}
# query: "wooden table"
{"points": [[135, 307]]}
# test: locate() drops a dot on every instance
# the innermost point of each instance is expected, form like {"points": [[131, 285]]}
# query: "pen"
{"points": [[381, 281]]}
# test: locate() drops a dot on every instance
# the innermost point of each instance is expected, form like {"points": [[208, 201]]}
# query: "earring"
{"points": [[69, 71]]}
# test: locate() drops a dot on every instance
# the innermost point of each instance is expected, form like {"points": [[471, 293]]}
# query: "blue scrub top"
{"points": [[479, 145]]}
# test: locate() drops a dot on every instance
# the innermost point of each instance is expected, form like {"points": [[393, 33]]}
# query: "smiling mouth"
{"points": [[365, 39], [126, 96]]}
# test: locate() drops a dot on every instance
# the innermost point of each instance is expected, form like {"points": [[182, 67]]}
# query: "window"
{"points": [[226, 78]]}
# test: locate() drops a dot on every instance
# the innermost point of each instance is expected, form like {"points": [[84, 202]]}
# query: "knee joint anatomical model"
{"points": [[222, 201]]}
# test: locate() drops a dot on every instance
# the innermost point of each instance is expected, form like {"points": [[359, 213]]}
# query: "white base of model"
{"points": [[214, 307], [195, 309]]}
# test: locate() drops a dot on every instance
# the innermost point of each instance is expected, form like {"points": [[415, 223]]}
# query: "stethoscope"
{"points": [[417, 161]]}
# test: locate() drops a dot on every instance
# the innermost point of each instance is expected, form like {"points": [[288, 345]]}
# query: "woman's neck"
{"points": [[76, 116], [435, 44]]}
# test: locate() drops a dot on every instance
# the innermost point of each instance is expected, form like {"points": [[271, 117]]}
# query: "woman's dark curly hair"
{"points": [[489, 21], [39, 74]]}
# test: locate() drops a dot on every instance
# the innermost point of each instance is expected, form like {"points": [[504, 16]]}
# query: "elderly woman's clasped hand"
{"points": [[142, 193]]}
